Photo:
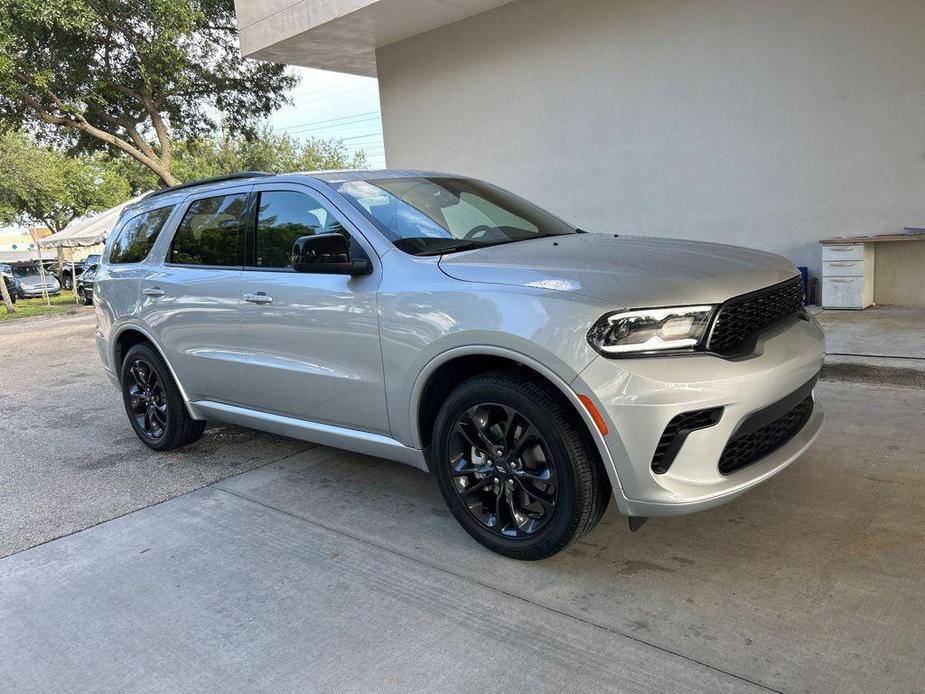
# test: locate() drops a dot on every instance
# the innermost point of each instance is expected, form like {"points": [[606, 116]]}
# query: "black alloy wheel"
{"points": [[147, 399], [153, 402], [516, 465], [501, 470]]}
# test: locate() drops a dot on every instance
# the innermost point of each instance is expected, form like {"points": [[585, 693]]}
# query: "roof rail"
{"points": [[205, 181]]}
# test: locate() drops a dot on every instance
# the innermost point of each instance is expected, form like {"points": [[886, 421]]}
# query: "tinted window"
{"points": [[284, 216], [137, 235], [211, 232]]}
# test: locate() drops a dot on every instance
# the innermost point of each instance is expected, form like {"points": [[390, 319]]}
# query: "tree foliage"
{"points": [[134, 75], [263, 151], [41, 185]]}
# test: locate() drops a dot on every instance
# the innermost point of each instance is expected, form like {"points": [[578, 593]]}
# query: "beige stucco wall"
{"points": [[764, 123]]}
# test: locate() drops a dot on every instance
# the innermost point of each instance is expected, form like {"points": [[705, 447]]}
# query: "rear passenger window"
{"points": [[137, 235], [211, 232], [282, 217]]}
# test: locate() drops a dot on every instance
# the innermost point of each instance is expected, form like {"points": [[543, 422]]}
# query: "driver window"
{"points": [[282, 217]]}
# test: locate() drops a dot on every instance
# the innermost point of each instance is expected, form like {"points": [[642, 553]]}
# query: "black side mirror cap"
{"points": [[327, 254]]}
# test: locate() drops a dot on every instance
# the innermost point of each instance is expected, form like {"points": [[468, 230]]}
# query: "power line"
{"points": [[365, 122], [369, 115], [333, 96]]}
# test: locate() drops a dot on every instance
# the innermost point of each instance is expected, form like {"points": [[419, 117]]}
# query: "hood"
{"points": [[627, 271]]}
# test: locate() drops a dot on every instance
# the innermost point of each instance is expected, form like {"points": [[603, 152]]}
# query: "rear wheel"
{"points": [[514, 466], [153, 402], [68, 283]]}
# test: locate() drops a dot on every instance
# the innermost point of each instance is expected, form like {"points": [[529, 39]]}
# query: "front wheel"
{"points": [[515, 466], [67, 282], [153, 402]]}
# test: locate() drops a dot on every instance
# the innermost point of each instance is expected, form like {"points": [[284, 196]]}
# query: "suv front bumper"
{"points": [[639, 397]]}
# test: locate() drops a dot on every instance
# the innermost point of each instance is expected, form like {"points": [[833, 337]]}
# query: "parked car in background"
{"points": [[64, 273], [7, 273], [32, 281], [85, 284], [537, 370]]}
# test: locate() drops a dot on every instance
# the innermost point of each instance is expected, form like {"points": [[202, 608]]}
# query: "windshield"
{"points": [[26, 271], [431, 216]]}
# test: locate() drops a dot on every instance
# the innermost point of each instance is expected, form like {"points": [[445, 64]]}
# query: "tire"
{"points": [[558, 479], [155, 401], [68, 284], [84, 299]]}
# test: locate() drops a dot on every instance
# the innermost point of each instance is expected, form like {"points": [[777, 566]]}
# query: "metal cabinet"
{"points": [[847, 275]]}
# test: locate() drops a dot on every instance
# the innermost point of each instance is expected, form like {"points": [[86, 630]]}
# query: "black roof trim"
{"points": [[206, 181]]}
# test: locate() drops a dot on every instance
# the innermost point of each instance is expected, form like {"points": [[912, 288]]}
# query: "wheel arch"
{"points": [[131, 334], [451, 368]]}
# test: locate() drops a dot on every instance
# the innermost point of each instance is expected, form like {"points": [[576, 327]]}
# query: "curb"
{"points": [[906, 372]]}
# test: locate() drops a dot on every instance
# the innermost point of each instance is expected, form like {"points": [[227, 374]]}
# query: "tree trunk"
{"points": [[6, 295]]}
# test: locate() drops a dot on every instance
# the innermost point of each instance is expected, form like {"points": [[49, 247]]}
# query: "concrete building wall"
{"points": [[769, 124]]}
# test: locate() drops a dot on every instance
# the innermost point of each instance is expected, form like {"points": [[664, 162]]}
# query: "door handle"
{"points": [[258, 298], [152, 291]]}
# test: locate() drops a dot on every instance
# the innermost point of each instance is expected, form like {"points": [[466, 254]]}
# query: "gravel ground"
{"points": [[68, 458]]}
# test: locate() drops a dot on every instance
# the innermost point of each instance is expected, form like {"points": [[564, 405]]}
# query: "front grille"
{"points": [[740, 320], [676, 432], [752, 443]]}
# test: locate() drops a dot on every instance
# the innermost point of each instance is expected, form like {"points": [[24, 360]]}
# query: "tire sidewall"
{"points": [[154, 360], [475, 393]]}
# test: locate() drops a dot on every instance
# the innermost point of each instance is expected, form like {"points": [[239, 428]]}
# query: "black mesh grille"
{"points": [[747, 448], [740, 320], [677, 430]]}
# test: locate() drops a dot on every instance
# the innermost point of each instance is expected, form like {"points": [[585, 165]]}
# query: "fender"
{"points": [[418, 390], [113, 340]]}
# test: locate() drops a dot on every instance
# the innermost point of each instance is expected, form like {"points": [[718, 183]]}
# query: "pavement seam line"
{"points": [[156, 503], [491, 587]]}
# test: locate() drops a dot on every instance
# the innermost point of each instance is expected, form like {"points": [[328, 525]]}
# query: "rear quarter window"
{"points": [[136, 237]]}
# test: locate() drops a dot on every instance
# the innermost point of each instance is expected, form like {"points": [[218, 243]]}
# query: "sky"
{"points": [[335, 105]]}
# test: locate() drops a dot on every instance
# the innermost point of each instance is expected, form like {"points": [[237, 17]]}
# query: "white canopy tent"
{"points": [[90, 231]]}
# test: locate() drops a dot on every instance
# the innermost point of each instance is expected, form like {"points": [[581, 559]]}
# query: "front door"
{"points": [[313, 339]]}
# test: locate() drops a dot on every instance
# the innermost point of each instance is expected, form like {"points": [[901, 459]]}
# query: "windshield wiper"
{"points": [[470, 246]]}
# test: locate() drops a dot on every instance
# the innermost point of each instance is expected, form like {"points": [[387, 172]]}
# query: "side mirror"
{"points": [[326, 254]]}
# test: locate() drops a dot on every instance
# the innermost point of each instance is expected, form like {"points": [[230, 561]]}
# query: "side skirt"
{"points": [[354, 440]]}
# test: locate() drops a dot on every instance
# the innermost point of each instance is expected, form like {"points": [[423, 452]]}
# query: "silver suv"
{"points": [[537, 370]]}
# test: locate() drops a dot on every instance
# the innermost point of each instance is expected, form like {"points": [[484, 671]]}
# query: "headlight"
{"points": [[656, 330]]}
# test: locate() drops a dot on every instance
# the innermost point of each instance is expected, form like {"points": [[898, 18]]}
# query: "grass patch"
{"points": [[27, 308]]}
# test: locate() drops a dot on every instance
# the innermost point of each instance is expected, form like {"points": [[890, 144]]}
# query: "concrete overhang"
{"points": [[341, 35]]}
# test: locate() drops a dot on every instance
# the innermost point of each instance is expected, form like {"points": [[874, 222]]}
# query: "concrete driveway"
{"points": [[277, 567]]}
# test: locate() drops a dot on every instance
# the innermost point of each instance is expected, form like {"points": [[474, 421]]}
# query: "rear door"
{"points": [[192, 300], [313, 338]]}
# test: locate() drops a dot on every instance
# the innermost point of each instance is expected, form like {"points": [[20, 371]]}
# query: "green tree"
{"points": [[41, 185], [131, 75], [261, 151]]}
